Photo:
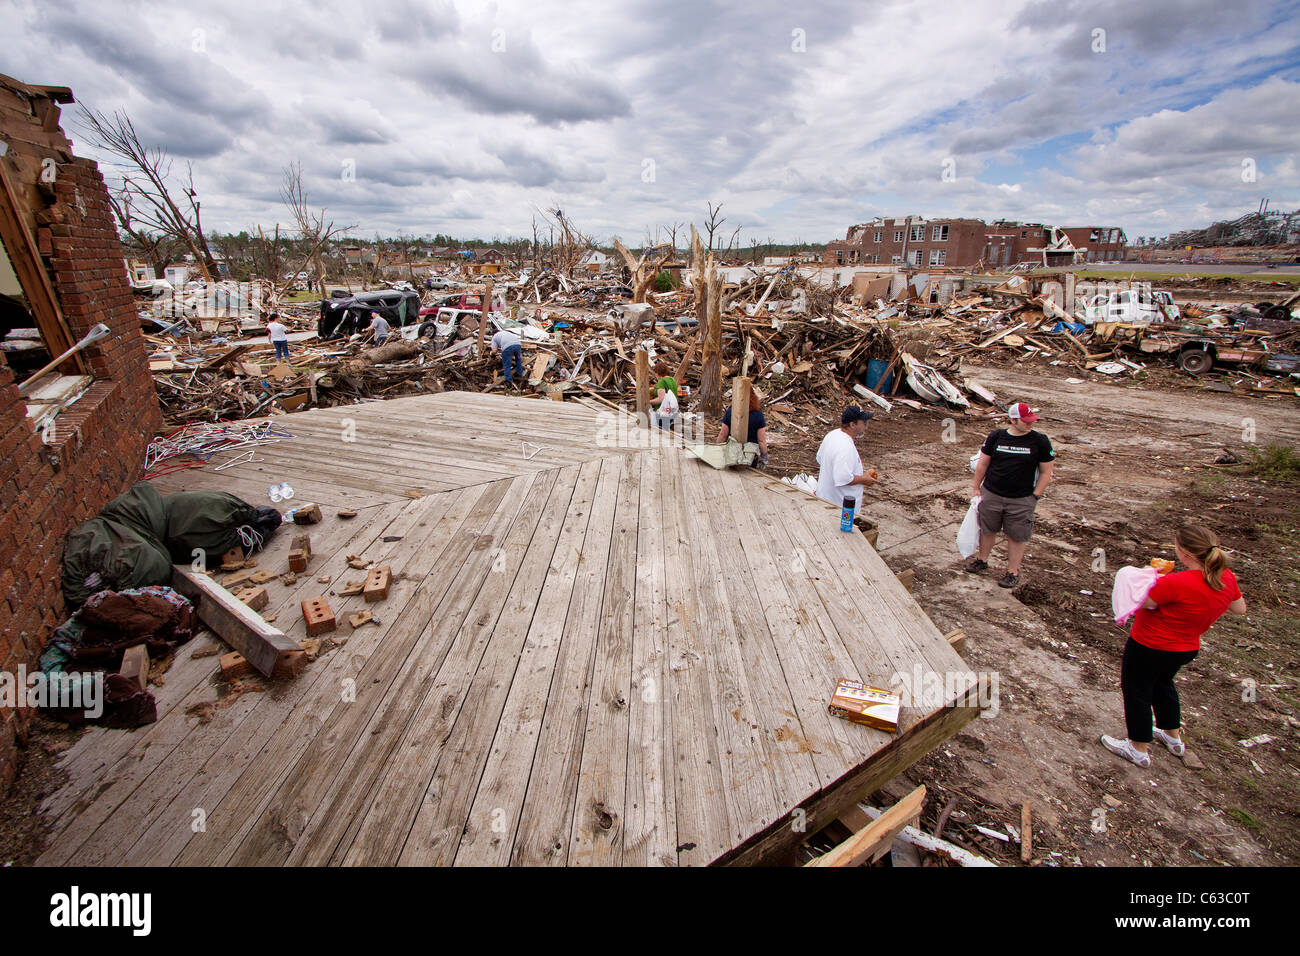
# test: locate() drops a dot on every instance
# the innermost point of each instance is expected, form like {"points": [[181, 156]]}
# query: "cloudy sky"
{"points": [[417, 117]]}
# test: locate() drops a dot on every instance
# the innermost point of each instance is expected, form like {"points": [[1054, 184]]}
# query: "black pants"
{"points": [[1146, 678]]}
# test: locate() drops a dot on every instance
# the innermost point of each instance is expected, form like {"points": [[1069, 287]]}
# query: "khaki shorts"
{"points": [[1012, 516]]}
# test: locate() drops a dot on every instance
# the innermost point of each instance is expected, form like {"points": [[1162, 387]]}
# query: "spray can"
{"points": [[846, 516]]}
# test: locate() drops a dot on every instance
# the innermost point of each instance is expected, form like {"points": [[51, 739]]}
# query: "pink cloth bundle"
{"points": [[1132, 585]]}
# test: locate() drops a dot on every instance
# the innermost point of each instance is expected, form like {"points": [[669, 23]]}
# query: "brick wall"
{"points": [[96, 447]]}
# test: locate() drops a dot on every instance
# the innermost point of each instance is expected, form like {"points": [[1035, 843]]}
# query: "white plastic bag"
{"points": [[968, 535]]}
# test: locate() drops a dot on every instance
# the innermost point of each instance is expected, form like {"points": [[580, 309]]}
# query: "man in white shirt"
{"points": [[840, 475], [512, 354], [278, 334]]}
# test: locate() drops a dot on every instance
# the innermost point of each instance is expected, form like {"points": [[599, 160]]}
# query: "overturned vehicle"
{"points": [[344, 314]]}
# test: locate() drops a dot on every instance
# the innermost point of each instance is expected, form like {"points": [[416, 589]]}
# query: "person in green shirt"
{"points": [[665, 399]]}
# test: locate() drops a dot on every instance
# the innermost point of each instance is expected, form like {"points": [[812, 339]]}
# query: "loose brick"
{"points": [[318, 615], [377, 582], [255, 598]]}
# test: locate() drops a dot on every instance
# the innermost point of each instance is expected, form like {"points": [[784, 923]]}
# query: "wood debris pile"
{"points": [[804, 341]]}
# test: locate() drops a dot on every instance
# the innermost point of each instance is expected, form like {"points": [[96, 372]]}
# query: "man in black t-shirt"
{"points": [[1014, 469]]}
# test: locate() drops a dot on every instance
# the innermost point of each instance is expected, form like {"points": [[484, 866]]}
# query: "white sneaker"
{"points": [[1125, 749], [1175, 745]]}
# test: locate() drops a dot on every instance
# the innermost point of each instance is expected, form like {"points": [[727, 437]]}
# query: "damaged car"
{"points": [[344, 314]]}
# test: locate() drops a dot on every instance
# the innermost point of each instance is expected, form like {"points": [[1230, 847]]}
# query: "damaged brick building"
{"points": [[77, 438], [960, 243]]}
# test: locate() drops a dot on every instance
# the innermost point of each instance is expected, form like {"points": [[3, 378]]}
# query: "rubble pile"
{"points": [[804, 341]]}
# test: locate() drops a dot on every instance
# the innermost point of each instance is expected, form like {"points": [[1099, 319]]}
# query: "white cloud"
{"points": [[467, 118]]}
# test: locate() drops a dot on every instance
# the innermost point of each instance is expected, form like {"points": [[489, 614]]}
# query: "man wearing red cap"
{"points": [[1014, 469]]}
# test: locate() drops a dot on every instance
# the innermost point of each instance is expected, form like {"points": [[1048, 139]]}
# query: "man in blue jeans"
{"points": [[512, 355]]}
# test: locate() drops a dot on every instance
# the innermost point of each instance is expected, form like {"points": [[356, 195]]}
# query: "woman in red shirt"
{"points": [[1166, 635]]}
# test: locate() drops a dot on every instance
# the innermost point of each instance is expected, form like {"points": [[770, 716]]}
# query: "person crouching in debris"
{"points": [[1166, 636], [757, 427], [278, 335], [1008, 491], [378, 325], [839, 474], [512, 355], [665, 399]]}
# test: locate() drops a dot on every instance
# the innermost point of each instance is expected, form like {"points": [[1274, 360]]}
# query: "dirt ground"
{"points": [[1132, 464]]}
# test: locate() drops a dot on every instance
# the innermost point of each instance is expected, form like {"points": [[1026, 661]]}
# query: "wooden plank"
{"points": [[643, 385], [649, 812], [485, 757], [546, 815], [439, 668], [875, 839], [788, 731], [735, 707], [264, 645], [596, 838], [449, 741], [432, 612], [812, 656]]}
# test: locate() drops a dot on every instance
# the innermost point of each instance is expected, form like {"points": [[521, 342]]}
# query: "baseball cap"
{"points": [[855, 414], [1022, 412]]}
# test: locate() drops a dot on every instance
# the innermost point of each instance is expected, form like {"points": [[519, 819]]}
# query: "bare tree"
{"points": [[571, 245], [312, 227], [143, 203], [713, 223]]}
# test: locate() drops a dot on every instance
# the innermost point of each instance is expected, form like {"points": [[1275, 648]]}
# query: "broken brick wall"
{"points": [[95, 450]]}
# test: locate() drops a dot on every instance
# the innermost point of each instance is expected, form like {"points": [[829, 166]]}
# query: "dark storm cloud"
{"points": [[174, 74]]}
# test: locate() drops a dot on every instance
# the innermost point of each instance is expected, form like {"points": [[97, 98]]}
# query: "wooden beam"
{"points": [[907, 747], [956, 639], [874, 840], [643, 386], [266, 647], [740, 409], [685, 366], [483, 319], [711, 360]]}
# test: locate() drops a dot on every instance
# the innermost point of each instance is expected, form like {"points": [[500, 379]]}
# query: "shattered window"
{"points": [[939, 234], [898, 235], [918, 233], [878, 235], [27, 352], [938, 257]]}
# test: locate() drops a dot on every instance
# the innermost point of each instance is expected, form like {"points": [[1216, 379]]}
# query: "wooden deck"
{"points": [[590, 656]]}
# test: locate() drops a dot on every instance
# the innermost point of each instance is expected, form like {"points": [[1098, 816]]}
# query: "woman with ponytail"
{"points": [[1166, 635]]}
